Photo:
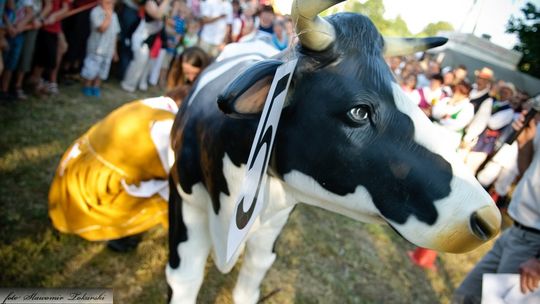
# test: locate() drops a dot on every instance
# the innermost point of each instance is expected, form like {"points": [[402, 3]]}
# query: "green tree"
{"points": [[433, 28], [374, 9], [397, 27], [527, 27]]}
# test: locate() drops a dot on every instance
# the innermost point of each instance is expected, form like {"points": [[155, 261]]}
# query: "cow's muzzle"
{"points": [[482, 225], [485, 223]]}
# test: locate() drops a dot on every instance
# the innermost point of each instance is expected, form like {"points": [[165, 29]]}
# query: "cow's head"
{"points": [[351, 142]]}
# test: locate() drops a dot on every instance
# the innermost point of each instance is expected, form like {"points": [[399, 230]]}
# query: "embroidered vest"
{"points": [[478, 101]]}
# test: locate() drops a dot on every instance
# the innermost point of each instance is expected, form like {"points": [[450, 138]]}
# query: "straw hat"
{"points": [[510, 86], [484, 73]]}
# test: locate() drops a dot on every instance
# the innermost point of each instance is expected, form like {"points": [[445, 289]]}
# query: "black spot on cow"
{"points": [[177, 228]]}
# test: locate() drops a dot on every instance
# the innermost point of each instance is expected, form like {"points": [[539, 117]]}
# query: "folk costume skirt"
{"points": [[90, 194]]}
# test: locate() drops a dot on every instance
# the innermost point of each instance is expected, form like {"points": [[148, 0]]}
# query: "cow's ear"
{"points": [[244, 97]]}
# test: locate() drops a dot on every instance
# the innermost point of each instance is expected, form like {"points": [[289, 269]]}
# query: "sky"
{"points": [[490, 16]]}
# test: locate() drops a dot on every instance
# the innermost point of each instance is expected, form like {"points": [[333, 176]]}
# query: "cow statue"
{"points": [[348, 141]]}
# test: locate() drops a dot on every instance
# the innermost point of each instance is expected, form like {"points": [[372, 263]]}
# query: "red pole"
{"points": [[68, 13]]}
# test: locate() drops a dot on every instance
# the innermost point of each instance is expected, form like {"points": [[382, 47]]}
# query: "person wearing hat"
{"points": [[454, 113], [432, 94], [460, 73], [482, 101], [481, 88], [501, 116]]}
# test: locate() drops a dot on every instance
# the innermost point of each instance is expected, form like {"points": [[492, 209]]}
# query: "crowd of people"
{"points": [[82, 40], [475, 117], [485, 123]]}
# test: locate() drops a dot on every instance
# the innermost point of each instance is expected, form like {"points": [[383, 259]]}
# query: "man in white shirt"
{"points": [[518, 249], [482, 103], [217, 18]]}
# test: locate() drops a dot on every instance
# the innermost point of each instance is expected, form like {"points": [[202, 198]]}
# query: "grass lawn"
{"points": [[322, 257]]}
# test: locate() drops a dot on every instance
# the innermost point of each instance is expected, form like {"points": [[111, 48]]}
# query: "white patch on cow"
{"points": [[426, 135], [246, 48], [186, 280], [424, 132], [276, 200], [452, 223], [260, 240], [213, 74], [466, 196], [357, 205], [450, 232], [207, 231]]}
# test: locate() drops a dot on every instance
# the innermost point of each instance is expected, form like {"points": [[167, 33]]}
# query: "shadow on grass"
{"points": [[332, 259], [31, 260], [23, 192]]}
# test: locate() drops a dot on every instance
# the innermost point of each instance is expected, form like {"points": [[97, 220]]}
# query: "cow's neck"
{"points": [[357, 205]]}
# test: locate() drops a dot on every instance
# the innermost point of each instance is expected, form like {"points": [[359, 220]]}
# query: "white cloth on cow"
{"points": [[248, 48]]}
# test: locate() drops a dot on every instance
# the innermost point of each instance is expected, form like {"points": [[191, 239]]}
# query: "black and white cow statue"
{"points": [[348, 141]]}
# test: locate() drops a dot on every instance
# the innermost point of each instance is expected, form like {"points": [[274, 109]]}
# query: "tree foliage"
{"points": [[527, 27], [433, 28], [374, 9]]}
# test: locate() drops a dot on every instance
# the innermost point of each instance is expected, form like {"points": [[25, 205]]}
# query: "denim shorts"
{"points": [[11, 57], [96, 65]]}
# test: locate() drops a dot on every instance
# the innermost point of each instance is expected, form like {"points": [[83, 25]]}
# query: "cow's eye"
{"points": [[359, 114]]}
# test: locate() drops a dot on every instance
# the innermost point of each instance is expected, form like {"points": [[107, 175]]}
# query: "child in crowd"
{"points": [[191, 37], [27, 53], [16, 21], [101, 46], [46, 59], [454, 113], [280, 40], [175, 28]]}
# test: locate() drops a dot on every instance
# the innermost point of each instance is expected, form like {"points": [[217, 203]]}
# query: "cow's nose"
{"points": [[485, 222]]}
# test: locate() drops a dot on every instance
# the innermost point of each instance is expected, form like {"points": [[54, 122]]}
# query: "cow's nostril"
{"points": [[485, 223]]}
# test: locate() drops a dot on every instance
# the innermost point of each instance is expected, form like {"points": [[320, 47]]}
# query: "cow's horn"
{"points": [[407, 46], [314, 32]]}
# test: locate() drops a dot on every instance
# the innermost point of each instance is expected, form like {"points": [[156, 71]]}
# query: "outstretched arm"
{"points": [[157, 11], [525, 141]]}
